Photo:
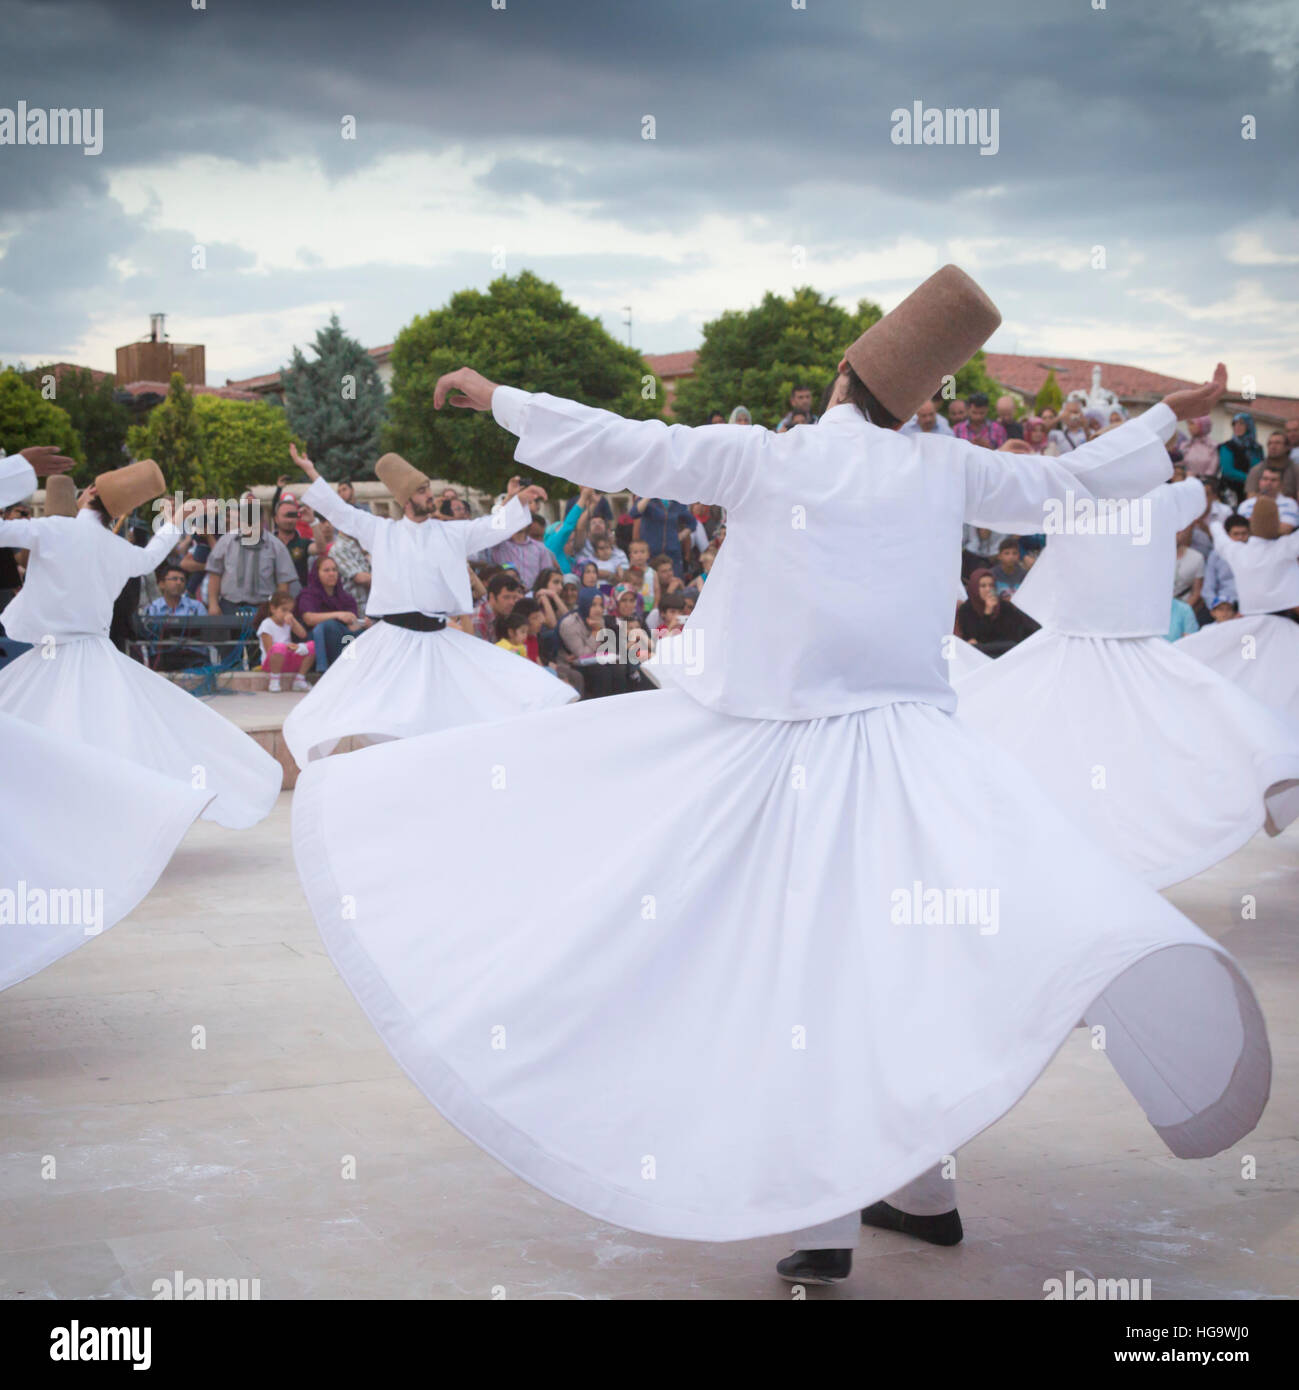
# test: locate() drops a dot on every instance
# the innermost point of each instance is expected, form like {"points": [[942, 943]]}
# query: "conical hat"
{"points": [[402, 479], [123, 489], [60, 495], [1265, 519], [934, 331]]}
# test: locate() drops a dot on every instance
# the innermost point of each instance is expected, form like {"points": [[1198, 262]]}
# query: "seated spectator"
{"points": [[716, 417], [1188, 570], [1237, 455], [1035, 434], [978, 429], [503, 591], [1049, 416], [1277, 456], [174, 602], [979, 549], [800, 403], [1071, 431], [1224, 611], [669, 582], [548, 592], [1006, 418], [926, 420], [1008, 574], [1269, 479], [524, 551], [512, 632], [1183, 621], [588, 533], [353, 561], [280, 652], [958, 412], [989, 622], [328, 612], [1200, 454], [669, 617]]}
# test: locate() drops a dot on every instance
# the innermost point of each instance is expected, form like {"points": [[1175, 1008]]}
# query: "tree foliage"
{"points": [[100, 421], [520, 331], [208, 446], [1049, 394], [754, 357], [336, 404], [27, 418]]}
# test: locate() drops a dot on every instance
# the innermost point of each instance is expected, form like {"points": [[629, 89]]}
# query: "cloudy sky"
{"points": [[485, 133]]}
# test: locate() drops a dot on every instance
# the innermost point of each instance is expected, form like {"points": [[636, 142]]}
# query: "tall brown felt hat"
{"points": [[934, 331], [1265, 519], [60, 495], [402, 479], [121, 490]]}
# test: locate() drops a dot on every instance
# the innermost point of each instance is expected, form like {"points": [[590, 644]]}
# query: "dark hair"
{"points": [[1235, 519], [543, 578], [506, 579], [716, 415], [1277, 468], [510, 622], [527, 607], [673, 601], [1008, 543], [979, 399], [799, 386], [661, 559], [860, 395], [445, 506], [172, 569]]}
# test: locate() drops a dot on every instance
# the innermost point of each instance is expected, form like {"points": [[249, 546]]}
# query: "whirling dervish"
{"points": [[414, 672], [1163, 761], [76, 682], [84, 834], [1259, 650], [827, 975]]}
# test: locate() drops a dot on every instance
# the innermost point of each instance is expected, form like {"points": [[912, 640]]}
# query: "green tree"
{"points": [[754, 357], [1049, 394], [973, 378], [244, 443], [27, 418], [520, 331], [99, 419], [336, 403], [172, 438]]}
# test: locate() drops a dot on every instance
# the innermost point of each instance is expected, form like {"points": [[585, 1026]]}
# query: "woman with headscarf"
{"points": [[1237, 455], [740, 416], [582, 635], [1035, 434], [992, 624], [1200, 455], [328, 611]]}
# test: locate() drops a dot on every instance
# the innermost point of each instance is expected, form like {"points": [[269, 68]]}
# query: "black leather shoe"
{"points": [[816, 1266], [944, 1229]]}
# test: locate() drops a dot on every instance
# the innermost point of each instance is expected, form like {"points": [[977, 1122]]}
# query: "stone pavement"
{"points": [[231, 1160]]}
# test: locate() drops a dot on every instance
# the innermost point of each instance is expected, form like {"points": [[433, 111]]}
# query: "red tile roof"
{"points": [[160, 388], [670, 364]]}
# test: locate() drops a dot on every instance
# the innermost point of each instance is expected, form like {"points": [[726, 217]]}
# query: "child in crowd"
{"points": [[639, 574], [512, 633], [280, 652]]}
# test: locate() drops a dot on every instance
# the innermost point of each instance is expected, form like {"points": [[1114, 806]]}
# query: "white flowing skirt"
{"points": [[90, 692], [756, 1016], [84, 835], [392, 683], [1260, 654], [1165, 763], [962, 659]]}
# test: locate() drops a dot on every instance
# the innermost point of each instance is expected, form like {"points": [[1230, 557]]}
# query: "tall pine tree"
{"points": [[336, 404], [172, 438]]}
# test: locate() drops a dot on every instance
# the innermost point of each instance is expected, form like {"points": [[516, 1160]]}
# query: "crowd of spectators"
{"points": [[589, 595]]}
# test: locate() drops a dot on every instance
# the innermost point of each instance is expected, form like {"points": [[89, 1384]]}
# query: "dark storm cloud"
{"points": [[1116, 126]]}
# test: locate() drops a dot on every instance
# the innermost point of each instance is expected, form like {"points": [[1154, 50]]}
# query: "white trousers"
{"points": [[930, 1194]]}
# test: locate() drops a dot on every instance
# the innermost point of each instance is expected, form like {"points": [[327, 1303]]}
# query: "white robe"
{"points": [[1164, 762], [758, 1025], [393, 683], [84, 834], [76, 682]]}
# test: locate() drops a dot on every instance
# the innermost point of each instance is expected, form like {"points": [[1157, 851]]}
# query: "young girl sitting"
{"points": [[279, 651]]}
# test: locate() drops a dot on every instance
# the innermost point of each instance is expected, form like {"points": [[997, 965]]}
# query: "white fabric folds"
{"points": [[1260, 654], [85, 689], [393, 683], [801, 989], [84, 835], [1165, 763]]}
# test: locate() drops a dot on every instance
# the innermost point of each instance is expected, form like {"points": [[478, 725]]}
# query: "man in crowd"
{"points": [[1292, 438], [958, 412], [588, 533], [978, 429], [1006, 417], [503, 592], [247, 566], [1008, 574], [926, 420], [800, 402], [661, 521], [1278, 456], [1270, 474], [174, 602], [1071, 431], [289, 534], [524, 552]]}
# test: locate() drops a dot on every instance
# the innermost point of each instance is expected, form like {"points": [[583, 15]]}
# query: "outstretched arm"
{"points": [[322, 499], [592, 446]]}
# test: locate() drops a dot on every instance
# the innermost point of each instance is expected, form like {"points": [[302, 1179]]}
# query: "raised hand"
{"points": [[1198, 400], [303, 462], [46, 459], [467, 389]]}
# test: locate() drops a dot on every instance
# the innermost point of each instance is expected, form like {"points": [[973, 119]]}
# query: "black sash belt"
{"points": [[416, 622]]}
